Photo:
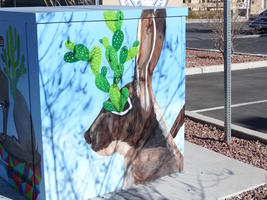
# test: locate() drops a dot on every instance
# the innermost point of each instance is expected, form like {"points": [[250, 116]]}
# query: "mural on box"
{"points": [[138, 133], [20, 155], [107, 101]]}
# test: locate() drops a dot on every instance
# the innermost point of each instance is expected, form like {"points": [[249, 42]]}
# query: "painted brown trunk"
{"points": [[141, 135]]}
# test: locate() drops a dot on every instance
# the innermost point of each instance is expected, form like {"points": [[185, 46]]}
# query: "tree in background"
{"points": [[216, 25]]}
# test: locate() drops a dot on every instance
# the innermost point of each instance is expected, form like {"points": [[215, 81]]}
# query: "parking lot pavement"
{"points": [[205, 95], [199, 35]]}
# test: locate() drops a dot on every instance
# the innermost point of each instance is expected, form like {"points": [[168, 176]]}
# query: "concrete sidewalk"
{"points": [[207, 175]]}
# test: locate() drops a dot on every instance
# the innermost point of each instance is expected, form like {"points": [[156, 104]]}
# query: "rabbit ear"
{"points": [[160, 20], [147, 37], [151, 32]]}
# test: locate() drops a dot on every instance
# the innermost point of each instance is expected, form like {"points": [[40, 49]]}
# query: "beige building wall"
{"points": [[111, 2], [257, 6], [175, 3]]}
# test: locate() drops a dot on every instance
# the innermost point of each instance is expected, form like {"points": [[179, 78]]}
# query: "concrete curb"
{"points": [[194, 21], [237, 131], [236, 52], [250, 36], [240, 192], [220, 68]]}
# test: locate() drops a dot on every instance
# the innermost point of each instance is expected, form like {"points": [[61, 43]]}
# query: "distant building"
{"points": [[207, 5], [257, 6]]}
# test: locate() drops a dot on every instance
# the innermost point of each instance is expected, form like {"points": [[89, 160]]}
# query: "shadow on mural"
{"points": [[140, 133], [123, 104], [130, 122]]}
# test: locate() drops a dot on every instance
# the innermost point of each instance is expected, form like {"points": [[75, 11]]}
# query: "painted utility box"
{"points": [[91, 98]]}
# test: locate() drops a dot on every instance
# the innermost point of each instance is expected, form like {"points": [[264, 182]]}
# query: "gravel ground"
{"points": [[197, 58], [248, 151], [257, 194]]}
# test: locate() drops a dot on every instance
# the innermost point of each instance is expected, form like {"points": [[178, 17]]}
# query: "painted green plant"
{"points": [[14, 62], [116, 55]]}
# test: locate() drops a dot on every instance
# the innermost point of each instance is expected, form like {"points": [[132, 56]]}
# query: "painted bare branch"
{"points": [[141, 134]]}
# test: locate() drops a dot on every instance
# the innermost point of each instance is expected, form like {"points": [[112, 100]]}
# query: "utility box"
{"points": [[91, 98]]}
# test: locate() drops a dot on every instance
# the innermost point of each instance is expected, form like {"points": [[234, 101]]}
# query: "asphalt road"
{"points": [[205, 95], [198, 35]]}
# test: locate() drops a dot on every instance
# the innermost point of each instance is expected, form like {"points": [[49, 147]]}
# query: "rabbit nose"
{"points": [[87, 137]]}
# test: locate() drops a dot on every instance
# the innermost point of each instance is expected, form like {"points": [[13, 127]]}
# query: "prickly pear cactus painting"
{"points": [[18, 155], [116, 55], [112, 95]]}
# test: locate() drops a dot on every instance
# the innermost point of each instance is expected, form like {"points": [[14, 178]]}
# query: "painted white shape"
{"points": [[143, 2], [233, 106]]}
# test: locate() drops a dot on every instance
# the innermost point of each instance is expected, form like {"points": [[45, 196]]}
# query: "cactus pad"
{"points": [[95, 59], [104, 71], [118, 73], [110, 19], [108, 106], [69, 57], [124, 96], [81, 52], [123, 54], [101, 81], [105, 42], [115, 96], [117, 39], [136, 43], [132, 53], [112, 57], [119, 20], [69, 45]]}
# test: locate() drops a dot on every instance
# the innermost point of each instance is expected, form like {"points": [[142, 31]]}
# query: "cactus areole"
{"points": [[116, 55]]}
